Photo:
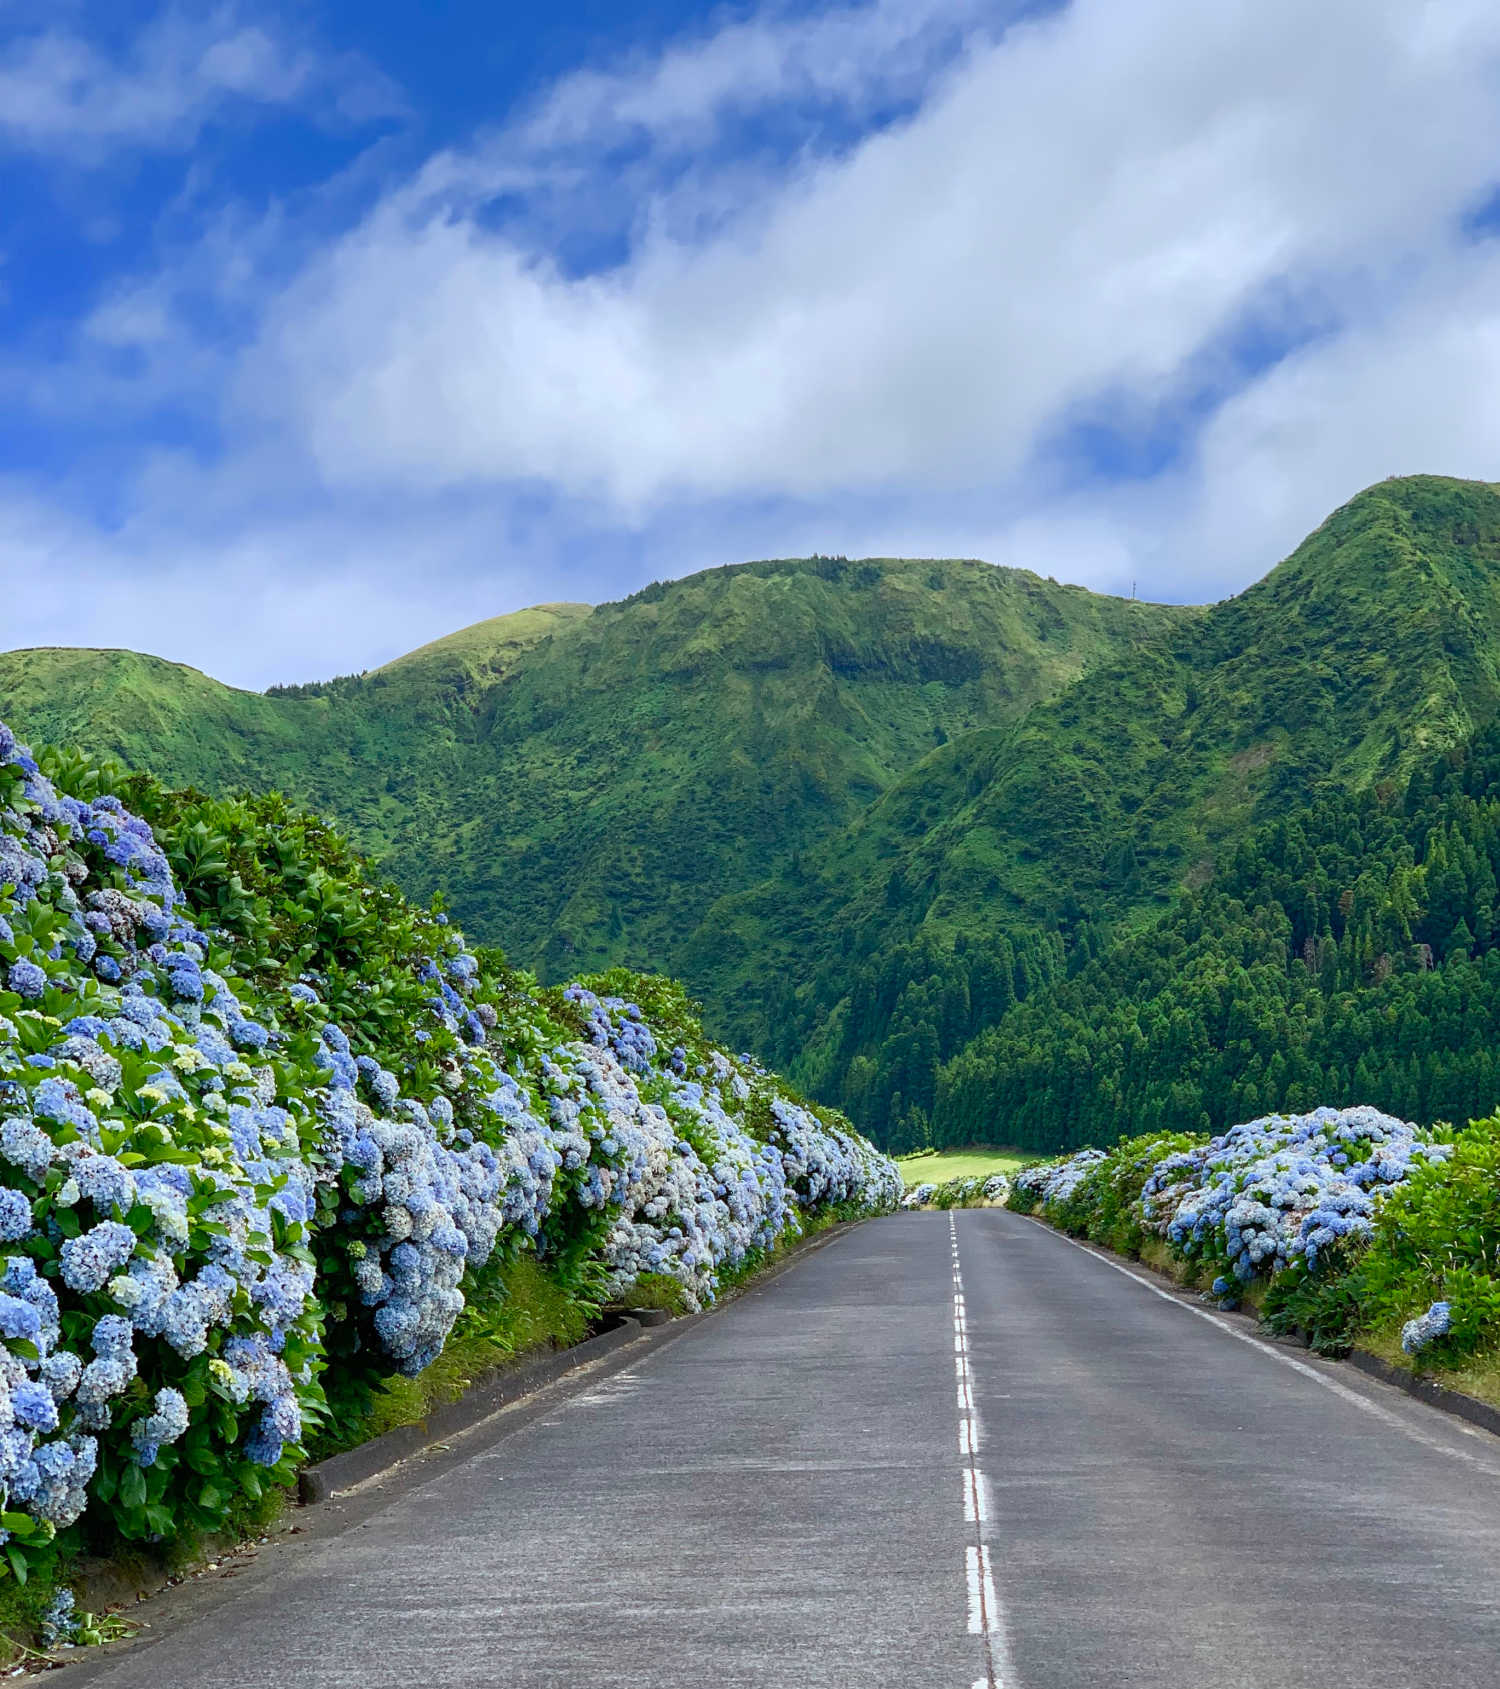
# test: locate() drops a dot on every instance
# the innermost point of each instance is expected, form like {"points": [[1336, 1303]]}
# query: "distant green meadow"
{"points": [[936, 1167]]}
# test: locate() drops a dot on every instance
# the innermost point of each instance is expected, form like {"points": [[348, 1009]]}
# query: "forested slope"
{"points": [[1006, 860], [867, 809], [1348, 952]]}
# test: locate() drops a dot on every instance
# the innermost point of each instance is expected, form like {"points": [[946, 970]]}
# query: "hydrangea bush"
{"points": [[1259, 1196], [1432, 1268], [979, 1190], [1283, 1187], [1053, 1181], [263, 1125], [1356, 1221]]}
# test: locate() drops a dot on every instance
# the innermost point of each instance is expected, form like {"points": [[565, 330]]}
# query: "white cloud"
{"points": [[198, 573], [849, 57], [61, 94], [869, 345], [1415, 390], [1082, 207]]}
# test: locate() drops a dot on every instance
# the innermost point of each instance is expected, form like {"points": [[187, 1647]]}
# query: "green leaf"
{"points": [[132, 1486], [161, 1520], [140, 1219], [212, 1497], [131, 1522]]}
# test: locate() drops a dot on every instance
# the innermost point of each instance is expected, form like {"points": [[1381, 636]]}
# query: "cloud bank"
{"points": [[1120, 290]]}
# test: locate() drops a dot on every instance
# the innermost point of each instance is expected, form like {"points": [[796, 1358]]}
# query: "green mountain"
{"points": [[1003, 861], [1348, 951], [869, 810], [584, 784]]}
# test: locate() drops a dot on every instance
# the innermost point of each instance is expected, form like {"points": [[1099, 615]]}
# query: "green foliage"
{"points": [[520, 1306], [657, 1290], [972, 856], [976, 1191], [1016, 856], [1324, 1306], [1349, 952], [287, 903], [585, 784], [1437, 1238], [1105, 1208]]}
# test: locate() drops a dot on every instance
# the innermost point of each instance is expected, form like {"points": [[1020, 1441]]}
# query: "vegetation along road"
{"points": [[943, 1450]]}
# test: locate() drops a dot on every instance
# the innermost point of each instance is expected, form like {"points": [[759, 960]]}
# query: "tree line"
{"points": [[1347, 952]]}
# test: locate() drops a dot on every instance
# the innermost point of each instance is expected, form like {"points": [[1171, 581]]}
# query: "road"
{"points": [[938, 1452]]}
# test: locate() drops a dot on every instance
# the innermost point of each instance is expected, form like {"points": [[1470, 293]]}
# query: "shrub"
{"points": [[1437, 1239], [1355, 1221], [268, 1131], [1319, 1303]]}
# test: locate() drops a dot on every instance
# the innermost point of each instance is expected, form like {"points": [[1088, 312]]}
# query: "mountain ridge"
{"points": [[738, 712], [1343, 665], [863, 806]]}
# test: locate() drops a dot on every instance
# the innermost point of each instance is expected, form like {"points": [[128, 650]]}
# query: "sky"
{"points": [[328, 328]]}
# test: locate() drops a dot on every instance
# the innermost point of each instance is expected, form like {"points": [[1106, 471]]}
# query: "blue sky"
{"points": [[327, 328]]}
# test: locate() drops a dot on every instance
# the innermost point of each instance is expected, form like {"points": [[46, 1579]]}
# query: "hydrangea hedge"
{"points": [[979, 1190], [1354, 1222], [265, 1128]]}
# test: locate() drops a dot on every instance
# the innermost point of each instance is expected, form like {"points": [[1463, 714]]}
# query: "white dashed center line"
{"points": [[985, 1618]]}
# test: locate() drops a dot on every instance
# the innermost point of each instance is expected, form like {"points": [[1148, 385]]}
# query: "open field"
{"points": [[937, 1168]]}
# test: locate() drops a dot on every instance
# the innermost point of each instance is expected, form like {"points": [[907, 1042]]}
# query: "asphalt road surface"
{"points": [[937, 1452]]}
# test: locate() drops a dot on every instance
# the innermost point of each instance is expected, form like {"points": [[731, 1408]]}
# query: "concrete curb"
{"points": [[1428, 1390], [1420, 1388], [487, 1395], [505, 1386]]}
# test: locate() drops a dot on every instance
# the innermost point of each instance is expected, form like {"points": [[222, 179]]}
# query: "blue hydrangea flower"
{"points": [[165, 1424], [1418, 1333], [88, 1261], [27, 978], [15, 1215]]}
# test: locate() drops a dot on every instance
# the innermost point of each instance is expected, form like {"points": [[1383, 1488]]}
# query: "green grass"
{"points": [[936, 1167], [1478, 1376], [523, 1311]]}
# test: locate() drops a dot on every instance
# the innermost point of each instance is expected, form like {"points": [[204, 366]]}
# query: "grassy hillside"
{"points": [[337, 744], [938, 1166], [864, 808], [1376, 643], [582, 784]]}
